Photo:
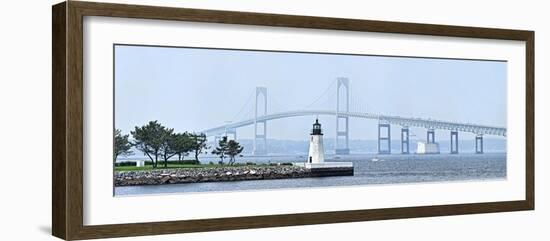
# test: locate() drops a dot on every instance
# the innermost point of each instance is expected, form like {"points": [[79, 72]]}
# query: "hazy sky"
{"points": [[196, 89]]}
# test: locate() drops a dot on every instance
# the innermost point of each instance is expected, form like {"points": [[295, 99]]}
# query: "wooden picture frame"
{"points": [[67, 122]]}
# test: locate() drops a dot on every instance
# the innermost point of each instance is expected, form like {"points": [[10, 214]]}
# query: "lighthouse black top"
{"points": [[316, 128]]}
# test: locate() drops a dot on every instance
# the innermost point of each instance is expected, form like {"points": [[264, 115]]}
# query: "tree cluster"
{"points": [[227, 148], [157, 141]]}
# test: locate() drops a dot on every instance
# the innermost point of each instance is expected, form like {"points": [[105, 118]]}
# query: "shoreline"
{"points": [[218, 174]]}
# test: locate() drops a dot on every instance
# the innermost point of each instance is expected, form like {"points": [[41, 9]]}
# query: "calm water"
{"points": [[389, 169]]}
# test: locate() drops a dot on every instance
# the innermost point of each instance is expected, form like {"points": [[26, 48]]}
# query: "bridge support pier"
{"points": [[430, 136], [231, 134], [342, 122], [479, 144], [404, 140], [260, 137], [454, 142], [386, 138]]}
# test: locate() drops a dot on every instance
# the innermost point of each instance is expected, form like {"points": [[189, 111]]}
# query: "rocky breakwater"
{"points": [[214, 174]]}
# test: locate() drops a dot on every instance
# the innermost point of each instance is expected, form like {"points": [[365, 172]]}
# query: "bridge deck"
{"points": [[395, 120]]}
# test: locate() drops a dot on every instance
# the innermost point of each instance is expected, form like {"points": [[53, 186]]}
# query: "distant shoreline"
{"points": [[304, 155]]}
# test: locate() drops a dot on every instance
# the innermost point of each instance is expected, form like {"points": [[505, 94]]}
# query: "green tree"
{"points": [[233, 149], [122, 145], [149, 139], [198, 145], [182, 145], [221, 149], [167, 149]]}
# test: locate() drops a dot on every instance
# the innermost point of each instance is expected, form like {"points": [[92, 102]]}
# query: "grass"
{"points": [[175, 166]]}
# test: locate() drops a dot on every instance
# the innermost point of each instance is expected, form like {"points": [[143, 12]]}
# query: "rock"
{"points": [[211, 174]]}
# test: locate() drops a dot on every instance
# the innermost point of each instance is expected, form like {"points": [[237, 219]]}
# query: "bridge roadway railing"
{"points": [[445, 125], [395, 120]]}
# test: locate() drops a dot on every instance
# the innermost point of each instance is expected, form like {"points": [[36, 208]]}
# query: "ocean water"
{"points": [[390, 169]]}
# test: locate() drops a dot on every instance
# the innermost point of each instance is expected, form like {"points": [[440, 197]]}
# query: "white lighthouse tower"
{"points": [[315, 162], [316, 149]]}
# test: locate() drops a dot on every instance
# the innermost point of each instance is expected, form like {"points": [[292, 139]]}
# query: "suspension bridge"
{"points": [[342, 113]]}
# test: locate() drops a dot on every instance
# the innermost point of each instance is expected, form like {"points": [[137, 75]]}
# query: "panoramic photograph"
{"points": [[190, 120]]}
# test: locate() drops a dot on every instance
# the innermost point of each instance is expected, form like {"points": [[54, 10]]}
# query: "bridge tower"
{"points": [[260, 127], [430, 136], [405, 140], [479, 144], [384, 137], [342, 122], [454, 142]]}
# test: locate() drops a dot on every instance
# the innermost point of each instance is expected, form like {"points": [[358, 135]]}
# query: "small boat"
{"points": [[376, 159]]}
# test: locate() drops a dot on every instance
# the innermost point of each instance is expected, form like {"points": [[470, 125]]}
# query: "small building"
{"points": [[316, 149], [427, 148]]}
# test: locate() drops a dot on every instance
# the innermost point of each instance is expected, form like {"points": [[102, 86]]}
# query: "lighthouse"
{"points": [[316, 149], [315, 162]]}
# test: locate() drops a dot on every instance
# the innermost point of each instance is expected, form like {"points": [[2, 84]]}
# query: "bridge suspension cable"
{"points": [[358, 104], [243, 108], [323, 94], [358, 110], [274, 105]]}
